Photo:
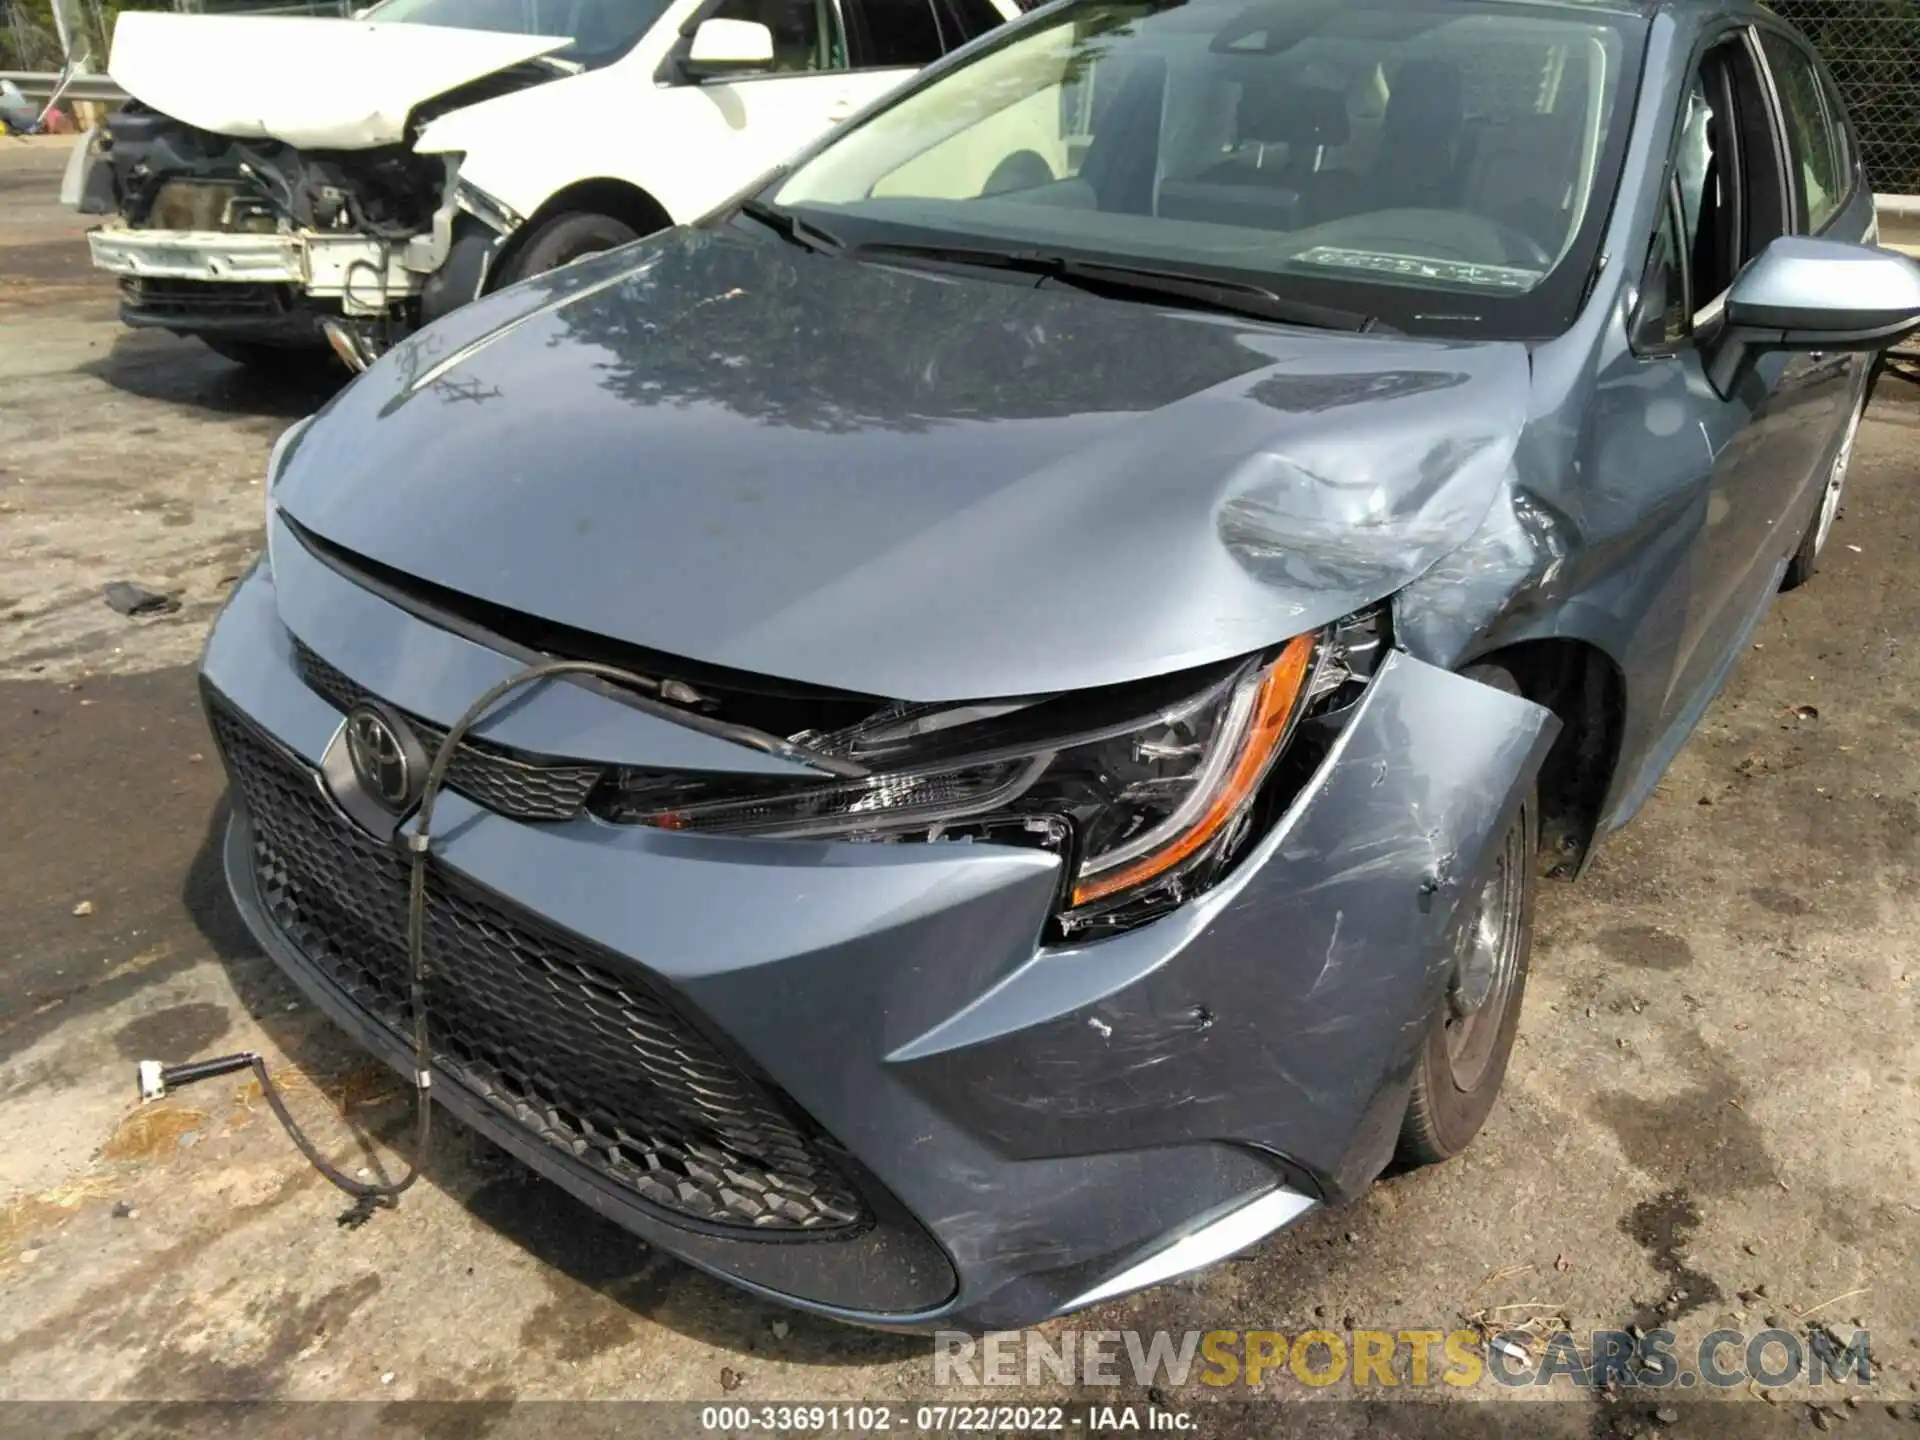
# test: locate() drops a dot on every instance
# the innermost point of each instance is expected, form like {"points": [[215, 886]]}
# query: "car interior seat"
{"points": [[1521, 169], [1269, 182], [1119, 163], [1416, 163]]}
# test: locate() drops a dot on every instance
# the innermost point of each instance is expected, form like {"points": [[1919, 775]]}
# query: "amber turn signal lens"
{"points": [[1273, 712]]}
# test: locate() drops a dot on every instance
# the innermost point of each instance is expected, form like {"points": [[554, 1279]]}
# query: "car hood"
{"points": [[323, 84], [922, 485]]}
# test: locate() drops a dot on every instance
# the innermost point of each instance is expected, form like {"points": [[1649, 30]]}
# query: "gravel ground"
{"points": [[1716, 1089]]}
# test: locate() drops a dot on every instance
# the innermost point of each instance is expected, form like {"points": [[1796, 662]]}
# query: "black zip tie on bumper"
{"points": [[157, 1079]]}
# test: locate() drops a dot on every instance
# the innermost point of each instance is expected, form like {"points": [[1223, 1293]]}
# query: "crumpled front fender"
{"points": [[1284, 1009]]}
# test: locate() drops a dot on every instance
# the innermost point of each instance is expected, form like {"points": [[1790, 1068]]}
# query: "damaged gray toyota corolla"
{"points": [[1104, 584]]}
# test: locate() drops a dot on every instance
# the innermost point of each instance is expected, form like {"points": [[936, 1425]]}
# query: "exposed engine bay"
{"points": [[161, 174], [252, 242]]}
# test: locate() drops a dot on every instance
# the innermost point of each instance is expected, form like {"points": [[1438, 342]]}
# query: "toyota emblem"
{"points": [[387, 759]]}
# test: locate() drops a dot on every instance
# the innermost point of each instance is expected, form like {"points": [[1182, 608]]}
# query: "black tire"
{"points": [[1807, 558], [563, 239], [1443, 1114], [288, 360]]}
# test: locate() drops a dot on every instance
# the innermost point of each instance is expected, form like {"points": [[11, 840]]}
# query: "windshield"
{"points": [[1441, 164], [601, 30]]}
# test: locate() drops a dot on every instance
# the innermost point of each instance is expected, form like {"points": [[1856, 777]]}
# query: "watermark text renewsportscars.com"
{"points": [[1374, 1361]]}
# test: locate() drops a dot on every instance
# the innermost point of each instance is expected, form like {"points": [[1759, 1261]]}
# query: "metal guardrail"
{"points": [[38, 86]]}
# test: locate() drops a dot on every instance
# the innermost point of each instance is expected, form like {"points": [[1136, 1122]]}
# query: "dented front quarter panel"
{"points": [[1282, 1010]]}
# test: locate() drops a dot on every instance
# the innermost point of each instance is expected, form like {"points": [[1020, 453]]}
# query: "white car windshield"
{"points": [[601, 30], [1437, 161]]}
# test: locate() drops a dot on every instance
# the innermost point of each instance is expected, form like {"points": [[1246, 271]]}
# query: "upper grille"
{"points": [[522, 787], [597, 1063]]}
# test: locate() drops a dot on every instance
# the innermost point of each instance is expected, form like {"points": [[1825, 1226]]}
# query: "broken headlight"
{"points": [[1146, 792]]}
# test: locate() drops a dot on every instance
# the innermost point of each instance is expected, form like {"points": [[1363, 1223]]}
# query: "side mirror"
{"points": [[1802, 293], [728, 47]]}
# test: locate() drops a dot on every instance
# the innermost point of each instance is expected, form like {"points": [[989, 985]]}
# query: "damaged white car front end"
{"points": [[265, 216]]}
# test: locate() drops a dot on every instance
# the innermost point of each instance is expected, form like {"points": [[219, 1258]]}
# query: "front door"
{"points": [[1722, 475], [1761, 442], [762, 118]]}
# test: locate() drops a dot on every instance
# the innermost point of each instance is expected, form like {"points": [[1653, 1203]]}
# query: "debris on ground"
{"points": [[83, 909], [1510, 1350], [355, 1088], [128, 598], [153, 1131]]}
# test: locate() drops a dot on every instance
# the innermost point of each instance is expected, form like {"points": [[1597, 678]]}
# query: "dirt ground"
{"points": [[1716, 1089]]}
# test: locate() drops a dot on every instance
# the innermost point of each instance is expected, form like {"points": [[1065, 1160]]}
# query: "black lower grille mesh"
{"points": [[523, 787], [597, 1064], [195, 298]]}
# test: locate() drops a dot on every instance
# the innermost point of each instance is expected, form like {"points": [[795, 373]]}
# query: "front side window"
{"points": [[805, 36], [600, 30], [1699, 163], [977, 17], [1665, 312], [1816, 155], [1731, 202], [903, 34], [1441, 164]]}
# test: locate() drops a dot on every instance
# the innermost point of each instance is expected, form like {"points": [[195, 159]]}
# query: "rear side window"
{"points": [[1817, 153], [976, 18], [1837, 128], [903, 34]]}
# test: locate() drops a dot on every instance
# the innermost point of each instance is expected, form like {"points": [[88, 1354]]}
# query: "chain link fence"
{"points": [[1873, 49]]}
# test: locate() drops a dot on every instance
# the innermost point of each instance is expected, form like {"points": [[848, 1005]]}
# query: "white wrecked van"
{"points": [[280, 183]]}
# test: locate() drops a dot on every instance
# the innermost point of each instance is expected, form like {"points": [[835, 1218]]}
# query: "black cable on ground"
{"points": [[156, 1079]]}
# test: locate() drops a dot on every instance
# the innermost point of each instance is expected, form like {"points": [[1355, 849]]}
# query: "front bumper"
{"points": [[1030, 1128], [364, 275]]}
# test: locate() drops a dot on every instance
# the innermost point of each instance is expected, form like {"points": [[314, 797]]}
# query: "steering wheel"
{"points": [[1519, 243]]}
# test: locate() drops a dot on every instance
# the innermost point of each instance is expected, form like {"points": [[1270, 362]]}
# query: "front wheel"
{"points": [[1801, 567], [1463, 1058], [565, 238]]}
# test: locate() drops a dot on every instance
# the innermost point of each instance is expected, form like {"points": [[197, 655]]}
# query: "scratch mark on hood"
{"points": [[559, 302]]}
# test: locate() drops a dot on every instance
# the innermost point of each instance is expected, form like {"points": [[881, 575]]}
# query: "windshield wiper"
{"points": [[1121, 281], [790, 227]]}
